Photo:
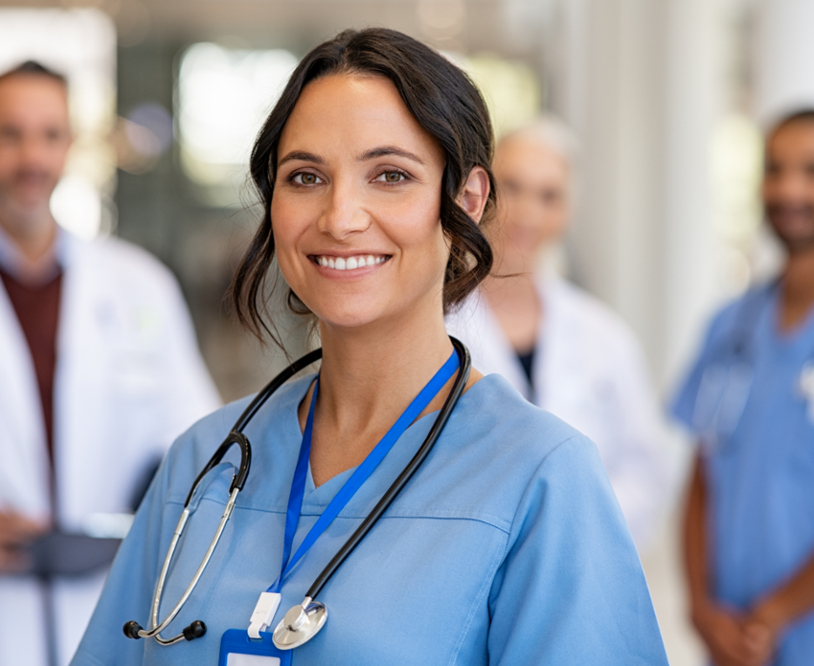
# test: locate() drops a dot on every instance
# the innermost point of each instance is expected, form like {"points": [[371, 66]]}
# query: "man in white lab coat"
{"points": [[557, 345], [99, 372]]}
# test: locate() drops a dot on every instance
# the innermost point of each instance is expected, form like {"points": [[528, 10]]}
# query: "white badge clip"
{"points": [[263, 613]]}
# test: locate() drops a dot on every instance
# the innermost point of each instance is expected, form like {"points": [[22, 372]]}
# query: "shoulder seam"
{"points": [[536, 469]]}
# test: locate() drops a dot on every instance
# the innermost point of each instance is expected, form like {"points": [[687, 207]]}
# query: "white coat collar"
{"points": [[477, 325]]}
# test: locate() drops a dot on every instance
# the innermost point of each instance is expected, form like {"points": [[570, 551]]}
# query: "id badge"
{"points": [[237, 649]]}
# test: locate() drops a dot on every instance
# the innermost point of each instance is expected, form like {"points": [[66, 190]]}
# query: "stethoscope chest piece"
{"points": [[300, 624]]}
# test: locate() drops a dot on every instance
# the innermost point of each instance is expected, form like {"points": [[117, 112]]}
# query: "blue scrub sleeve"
{"points": [[571, 589], [128, 592], [683, 405]]}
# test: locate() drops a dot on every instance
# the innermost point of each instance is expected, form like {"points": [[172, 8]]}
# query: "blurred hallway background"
{"points": [[667, 99]]}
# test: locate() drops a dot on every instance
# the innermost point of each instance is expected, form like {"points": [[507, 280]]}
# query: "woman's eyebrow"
{"points": [[301, 155], [389, 150]]}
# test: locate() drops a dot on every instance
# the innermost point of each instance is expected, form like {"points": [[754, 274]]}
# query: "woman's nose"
{"points": [[344, 213]]}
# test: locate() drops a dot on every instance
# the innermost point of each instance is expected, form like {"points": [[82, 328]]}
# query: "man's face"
{"points": [[34, 140], [788, 184]]}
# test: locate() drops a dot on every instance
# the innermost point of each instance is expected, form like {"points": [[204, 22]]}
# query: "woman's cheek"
{"points": [[284, 248]]}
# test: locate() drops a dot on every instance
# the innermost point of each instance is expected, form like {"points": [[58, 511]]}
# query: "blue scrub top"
{"points": [[506, 547], [760, 478]]}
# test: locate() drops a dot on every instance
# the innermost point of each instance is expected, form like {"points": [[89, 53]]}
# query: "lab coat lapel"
{"points": [[547, 369], [541, 365], [562, 371], [496, 350], [24, 472], [79, 398]]}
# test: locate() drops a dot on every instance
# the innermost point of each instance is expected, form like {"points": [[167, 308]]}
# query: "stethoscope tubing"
{"points": [[236, 436], [406, 474], [158, 628]]}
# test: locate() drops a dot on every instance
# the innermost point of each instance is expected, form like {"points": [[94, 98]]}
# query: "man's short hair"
{"points": [[34, 68]]}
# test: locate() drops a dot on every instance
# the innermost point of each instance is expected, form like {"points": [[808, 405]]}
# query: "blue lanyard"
{"points": [[359, 476]]}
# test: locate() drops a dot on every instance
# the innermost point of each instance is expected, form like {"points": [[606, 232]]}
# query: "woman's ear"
{"points": [[475, 193]]}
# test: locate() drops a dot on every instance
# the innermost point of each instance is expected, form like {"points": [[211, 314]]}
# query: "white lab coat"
{"points": [[129, 379], [589, 370]]}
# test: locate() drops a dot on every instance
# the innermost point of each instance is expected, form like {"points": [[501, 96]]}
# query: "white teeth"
{"points": [[350, 263]]}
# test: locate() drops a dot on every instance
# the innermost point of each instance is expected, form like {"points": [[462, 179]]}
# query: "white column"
{"points": [[642, 85], [695, 96], [783, 52]]}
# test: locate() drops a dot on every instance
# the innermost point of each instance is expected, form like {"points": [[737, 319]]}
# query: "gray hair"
{"points": [[549, 130]]}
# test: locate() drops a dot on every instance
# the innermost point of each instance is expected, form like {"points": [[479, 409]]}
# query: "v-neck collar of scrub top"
{"points": [[799, 340], [315, 498]]}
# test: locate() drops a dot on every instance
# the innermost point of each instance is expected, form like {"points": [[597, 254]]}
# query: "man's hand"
{"points": [[734, 639], [16, 532]]}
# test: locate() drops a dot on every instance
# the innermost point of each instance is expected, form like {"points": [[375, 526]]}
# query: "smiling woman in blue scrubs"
{"points": [[507, 546]]}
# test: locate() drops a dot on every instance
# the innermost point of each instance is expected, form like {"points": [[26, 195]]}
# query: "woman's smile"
{"points": [[349, 263]]}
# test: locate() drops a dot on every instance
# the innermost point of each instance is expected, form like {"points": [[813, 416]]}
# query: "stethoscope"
{"points": [[302, 622], [726, 384]]}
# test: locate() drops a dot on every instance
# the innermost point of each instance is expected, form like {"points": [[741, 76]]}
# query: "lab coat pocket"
{"points": [[135, 372]]}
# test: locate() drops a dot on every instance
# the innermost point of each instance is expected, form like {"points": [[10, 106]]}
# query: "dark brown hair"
{"points": [[444, 102]]}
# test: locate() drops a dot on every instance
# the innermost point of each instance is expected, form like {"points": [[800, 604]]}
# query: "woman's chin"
{"points": [[347, 321]]}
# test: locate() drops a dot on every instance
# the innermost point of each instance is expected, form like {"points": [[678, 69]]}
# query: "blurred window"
{"points": [[736, 169], [81, 44], [511, 88], [224, 95]]}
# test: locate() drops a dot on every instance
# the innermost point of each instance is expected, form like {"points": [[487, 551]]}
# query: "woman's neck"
{"points": [[368, 377], [363, 371]]}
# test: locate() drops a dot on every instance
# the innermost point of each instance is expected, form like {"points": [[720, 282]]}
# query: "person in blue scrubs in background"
{"points": [[507, 546], [749, 525]]}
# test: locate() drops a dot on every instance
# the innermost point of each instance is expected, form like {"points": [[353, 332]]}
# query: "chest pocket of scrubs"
{"points": [[719, 404], [805, 389]]}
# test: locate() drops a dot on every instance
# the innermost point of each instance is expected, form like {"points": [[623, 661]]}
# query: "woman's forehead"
{"points": [[354, 112]]}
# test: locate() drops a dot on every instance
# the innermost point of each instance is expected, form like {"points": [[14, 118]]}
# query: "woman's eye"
{"points": [[306, 179], [391, 177]]}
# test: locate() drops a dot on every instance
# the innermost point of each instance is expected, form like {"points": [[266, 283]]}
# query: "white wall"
{"points": [[783, 57], [642, 85]]}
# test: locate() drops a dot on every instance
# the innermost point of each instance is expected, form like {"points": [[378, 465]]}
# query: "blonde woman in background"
{"points": [[561, 348]]}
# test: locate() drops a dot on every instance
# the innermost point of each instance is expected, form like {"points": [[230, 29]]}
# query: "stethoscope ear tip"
{"points": [[194, 630], [131, 629]]}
